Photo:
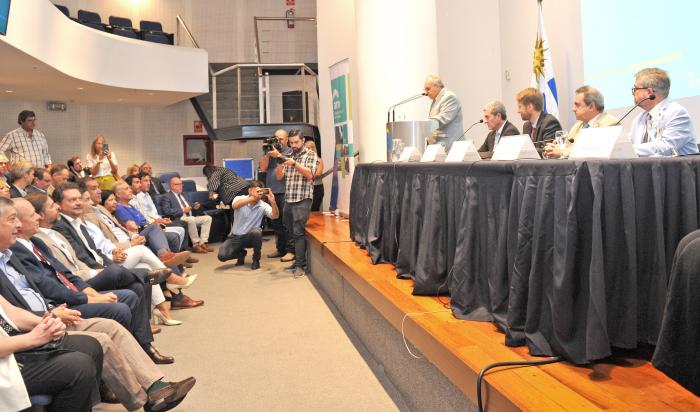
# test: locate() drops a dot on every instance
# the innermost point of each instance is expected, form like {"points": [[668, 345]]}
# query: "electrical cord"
{"points": [[403, 335], [480, 378]]}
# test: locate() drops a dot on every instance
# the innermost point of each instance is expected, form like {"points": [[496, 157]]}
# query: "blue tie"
{"points": [[496, 139]]}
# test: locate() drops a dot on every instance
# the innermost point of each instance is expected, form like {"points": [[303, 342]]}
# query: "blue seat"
{"points": [[121, 31], [153, 31], [189, 186], [165, 178], [91, 19], [39, 402], [152, 26], [63, 9], [156, 38], [123, 22]]}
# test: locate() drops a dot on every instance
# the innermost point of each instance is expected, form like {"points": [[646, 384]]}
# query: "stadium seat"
{"points": [[153, 31], [189, 186], [122, 22], [156, 38], [124, 32], [91, 19]]}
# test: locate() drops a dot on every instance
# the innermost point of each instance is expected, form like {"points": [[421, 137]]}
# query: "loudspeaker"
{"points": [[292, 107]]}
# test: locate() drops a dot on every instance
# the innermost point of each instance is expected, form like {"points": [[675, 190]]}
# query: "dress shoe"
{"points": [[173, 259], [157, 357], [241, 258], [288, 257], [173, 287], [158, 317], [187, 265], [208, 248], [170, 396], [185, 303], [106, 394], [255, 265], [199, 249], [192, 260], [155, 330], [158, 276], [277, 254]]}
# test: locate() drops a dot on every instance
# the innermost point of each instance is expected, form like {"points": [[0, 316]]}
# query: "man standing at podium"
{"points": [[446, 109]]}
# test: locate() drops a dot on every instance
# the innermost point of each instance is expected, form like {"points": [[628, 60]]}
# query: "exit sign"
{"points": [[291, 2]]}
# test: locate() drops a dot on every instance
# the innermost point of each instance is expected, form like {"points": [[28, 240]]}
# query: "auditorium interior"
{"points": [[401, 254]]}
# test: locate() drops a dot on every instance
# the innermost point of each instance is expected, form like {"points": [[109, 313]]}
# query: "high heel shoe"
{"points": [[173, 287], [160, 318]]}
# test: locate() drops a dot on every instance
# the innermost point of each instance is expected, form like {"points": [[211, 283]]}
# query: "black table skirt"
{"points": [[567, 257]]}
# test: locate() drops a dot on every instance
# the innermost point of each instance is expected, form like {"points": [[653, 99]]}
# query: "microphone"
{"points": [[651, 97], [468, 129], [391, 115]]}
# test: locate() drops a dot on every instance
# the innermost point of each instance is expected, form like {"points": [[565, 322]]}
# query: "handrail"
{"points": [[257, 36], [301, 66], [180, 22]]}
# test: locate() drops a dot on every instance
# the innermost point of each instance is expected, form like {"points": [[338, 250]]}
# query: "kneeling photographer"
{"points": [[246, 232], [271, 146]]}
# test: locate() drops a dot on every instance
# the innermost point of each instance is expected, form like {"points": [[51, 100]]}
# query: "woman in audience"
{"points": [[318, 179], [4, 185], [102, 163], [132, 170], [76, 169]]}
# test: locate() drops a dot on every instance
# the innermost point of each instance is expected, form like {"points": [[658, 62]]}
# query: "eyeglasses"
{"points": [[634, 89]]}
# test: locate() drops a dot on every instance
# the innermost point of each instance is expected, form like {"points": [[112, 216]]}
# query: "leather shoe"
{"points": [[287, 258], [158, 276], [173, 259], [199, 249], [157, 357], [192, 260], [170, 396], [155, 330], [255, 265], [241, 258], [277, 254], [185, 303], [106, 394]]}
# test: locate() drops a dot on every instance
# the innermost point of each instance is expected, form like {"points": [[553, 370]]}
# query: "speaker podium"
{"points": [[411, 132]]}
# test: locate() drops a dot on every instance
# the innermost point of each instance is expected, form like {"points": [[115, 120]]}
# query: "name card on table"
{"points": [[602, 143], [515, 147], [410, 154], [434, 153], [463, 151]]}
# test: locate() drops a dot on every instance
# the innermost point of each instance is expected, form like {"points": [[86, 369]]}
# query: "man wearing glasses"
{"points": [[27, 143], [664, 128]]}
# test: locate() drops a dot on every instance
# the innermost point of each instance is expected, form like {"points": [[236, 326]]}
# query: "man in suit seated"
{"points": [[176, 205], [41, 182], [539, 125], [589, 108], [496, 120], [59, 174], [22, 175], [155, 187], [245, 231]]}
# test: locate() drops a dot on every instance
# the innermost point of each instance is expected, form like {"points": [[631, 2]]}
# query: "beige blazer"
{"points": [[603, 120], [66, 255]]}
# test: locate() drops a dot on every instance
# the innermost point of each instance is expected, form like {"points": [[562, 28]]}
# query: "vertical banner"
{"points": [[343, 160]]}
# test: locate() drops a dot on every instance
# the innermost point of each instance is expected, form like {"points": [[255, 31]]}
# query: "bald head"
{"points": [[27, 217], [282, 137]]}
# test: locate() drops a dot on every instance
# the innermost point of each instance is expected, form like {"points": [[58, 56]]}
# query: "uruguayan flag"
{"points": [[543, 70]]}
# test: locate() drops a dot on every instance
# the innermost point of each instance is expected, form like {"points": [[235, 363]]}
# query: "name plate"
{"points": [[463, 151], [434, 153], [410, 154], [515, 147], [602, 143]]}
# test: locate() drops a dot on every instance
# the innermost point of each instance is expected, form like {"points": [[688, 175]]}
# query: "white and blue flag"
{"points": [[543, 70]]}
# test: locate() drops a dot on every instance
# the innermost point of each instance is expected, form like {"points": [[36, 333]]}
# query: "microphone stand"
{"points": [[468, 129]]}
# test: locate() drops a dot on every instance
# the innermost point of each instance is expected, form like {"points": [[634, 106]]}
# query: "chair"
{"points": [[189, 186], [151, 26], [39, 402], [165, 178], [124, 32], [91, 19], [156, 38], [121, 26], [153, 31]]}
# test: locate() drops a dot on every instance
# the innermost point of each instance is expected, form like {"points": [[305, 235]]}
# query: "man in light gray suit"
{"points": [[446, 110]]}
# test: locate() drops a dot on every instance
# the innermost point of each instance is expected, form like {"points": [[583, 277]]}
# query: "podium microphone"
{"points": [[468, 129], [391, 116], [651, 97]]}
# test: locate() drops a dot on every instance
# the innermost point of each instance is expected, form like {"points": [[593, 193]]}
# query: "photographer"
{"points": [[246, 231], [285, 249], [298, 170]]}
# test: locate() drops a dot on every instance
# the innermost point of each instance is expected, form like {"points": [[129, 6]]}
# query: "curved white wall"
{"points": [[39, 29]]}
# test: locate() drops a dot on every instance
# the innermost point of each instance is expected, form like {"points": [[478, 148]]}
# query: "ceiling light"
{"points": [[80, 88], [9, 91]]}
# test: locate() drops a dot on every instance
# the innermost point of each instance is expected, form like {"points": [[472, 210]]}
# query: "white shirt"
{"points": [[13, 393], [76, 223], [144, 204], [105, 169]]}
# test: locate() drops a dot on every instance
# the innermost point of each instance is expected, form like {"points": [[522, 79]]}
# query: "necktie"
{"points": [[496, 139], [183, 203], [532, 134], [647, 126], [67, 283], [90, 245], [155, 188], [586, 125]]}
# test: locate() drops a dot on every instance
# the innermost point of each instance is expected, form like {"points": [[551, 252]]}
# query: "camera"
{"points": [[270, 143]]}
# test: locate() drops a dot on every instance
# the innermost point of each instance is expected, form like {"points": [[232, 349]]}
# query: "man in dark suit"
{"points": [[495, 119], [539, 125], [22, 175], [177, 206], [156, 186]]}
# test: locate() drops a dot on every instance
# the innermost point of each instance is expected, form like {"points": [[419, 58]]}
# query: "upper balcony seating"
{"points": [[91, 19]]}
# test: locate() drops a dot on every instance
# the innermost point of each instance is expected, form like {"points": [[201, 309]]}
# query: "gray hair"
{"points": [[4, 202], [20, 169], [656, 79], [435, 80], [592, 95], [495, 107]]}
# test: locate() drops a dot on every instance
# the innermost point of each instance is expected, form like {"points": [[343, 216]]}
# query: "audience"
{"points": [[76, 169], [102, 163]]}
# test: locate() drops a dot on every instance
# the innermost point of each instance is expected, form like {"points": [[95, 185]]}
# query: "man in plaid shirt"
{"points": [[298, 170], [27, 143]]}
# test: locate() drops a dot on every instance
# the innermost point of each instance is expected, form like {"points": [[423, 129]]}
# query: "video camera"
{"points": [[271, 143]]}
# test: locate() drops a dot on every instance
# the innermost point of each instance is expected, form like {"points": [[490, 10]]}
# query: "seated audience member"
{"points": [[143, 202], [41, 182], [246, 231], [127, 303], [102, 163], [539, 125], [664, 128], [59, 174], [589, 108], [156, 187], [5, 191], [176, 204], [70, 377], [4, 169], [127, 369], [132, 170], [22, 174], [318, 178], [497, 122], [76, 169]]}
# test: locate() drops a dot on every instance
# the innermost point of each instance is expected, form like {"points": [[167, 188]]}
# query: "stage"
{"points": [[375, 304]]}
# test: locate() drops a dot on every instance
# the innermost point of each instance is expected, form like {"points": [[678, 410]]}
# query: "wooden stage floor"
{"points": [[460, 349]]}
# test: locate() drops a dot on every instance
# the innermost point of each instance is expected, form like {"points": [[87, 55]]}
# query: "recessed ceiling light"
{"points": [[9, 91], [151, 94], [120, 100], [80, 88]]}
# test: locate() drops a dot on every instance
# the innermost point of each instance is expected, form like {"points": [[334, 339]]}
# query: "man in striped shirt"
{"points": [[27, 143], [298, 170]]}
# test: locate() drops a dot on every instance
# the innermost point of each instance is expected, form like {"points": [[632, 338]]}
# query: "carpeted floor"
{"points": [[266, 341]]}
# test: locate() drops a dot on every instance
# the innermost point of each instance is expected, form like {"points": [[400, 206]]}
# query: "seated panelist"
{"points": [[495, 119]]}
